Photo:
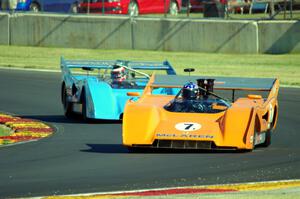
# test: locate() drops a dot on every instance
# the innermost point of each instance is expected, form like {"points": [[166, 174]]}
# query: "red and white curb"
{"points": [[22, 130], [211, 189]]}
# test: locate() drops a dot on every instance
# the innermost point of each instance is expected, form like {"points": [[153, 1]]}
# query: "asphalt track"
{"points": [[82, 157]]}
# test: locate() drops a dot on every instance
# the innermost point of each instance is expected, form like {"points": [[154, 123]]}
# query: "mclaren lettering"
{"points": [[165, 135], [197, 136], [184, 135]]}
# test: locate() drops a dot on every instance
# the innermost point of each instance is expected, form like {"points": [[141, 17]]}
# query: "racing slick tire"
{"points": [[68, 106], [84, 108], [267, 141]]}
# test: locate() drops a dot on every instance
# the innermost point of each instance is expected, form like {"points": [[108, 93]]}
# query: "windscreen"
{"points": [[211, 105]]}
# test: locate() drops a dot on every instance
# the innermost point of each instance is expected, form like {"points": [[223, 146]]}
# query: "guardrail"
{"points": [[113, 32]]}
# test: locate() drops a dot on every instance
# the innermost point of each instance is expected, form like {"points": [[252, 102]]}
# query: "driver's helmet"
{"points": [[190, 91], [118, 73]]}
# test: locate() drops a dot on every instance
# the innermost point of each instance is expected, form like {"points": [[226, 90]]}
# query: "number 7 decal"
{"points": [[188, 126]]}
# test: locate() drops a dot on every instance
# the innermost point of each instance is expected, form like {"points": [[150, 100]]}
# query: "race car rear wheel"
{"points": [[84, 108], [68, 106]]}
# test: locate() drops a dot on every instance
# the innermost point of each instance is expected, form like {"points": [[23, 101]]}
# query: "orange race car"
{"points": [[193, 116]]}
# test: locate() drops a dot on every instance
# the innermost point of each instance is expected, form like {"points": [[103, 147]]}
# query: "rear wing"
{"points": [[221, 83], [66, 65]]}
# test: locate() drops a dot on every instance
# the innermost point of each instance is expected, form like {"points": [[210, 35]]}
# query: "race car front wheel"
{"points": [[68, 106], [267, 141]]}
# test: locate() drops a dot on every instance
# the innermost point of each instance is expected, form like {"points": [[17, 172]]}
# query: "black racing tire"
{"points": [[34, 7], [68, 106], [268, 133], [267, 141], [84, 106]]}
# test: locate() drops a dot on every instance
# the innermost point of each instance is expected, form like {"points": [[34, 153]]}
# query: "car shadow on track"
{"points": [[105, 148], [119, 148], [63, 119]]}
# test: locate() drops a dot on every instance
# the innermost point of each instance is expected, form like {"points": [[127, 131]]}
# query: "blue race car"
{"points": [[98, 89], [62, 6]]}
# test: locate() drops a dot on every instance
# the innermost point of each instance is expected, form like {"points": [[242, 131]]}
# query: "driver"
{"points": [[190, 91], [188, 101], [119, 77], [118, 74]]}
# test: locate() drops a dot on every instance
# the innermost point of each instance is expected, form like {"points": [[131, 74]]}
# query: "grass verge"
{"points": [[286, 67], [288, 193], [4, 131]]}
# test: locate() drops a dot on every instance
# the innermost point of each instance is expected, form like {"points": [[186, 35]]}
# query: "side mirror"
{"points": [[189, 70], [133, 94], [254, 96]]}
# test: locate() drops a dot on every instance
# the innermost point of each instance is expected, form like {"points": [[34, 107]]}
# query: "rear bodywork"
{"points": [[244, 124], [87, 87]]}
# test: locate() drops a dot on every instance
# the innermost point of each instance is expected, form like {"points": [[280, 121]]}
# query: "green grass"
{"points": [[288, 193], [4, 131], [286, 67]]}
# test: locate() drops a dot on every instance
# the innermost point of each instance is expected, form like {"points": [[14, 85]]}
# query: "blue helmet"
{"points": [[190, 91]]}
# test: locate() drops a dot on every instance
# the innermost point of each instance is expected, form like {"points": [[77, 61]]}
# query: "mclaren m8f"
{"points": [[196, 115]]}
